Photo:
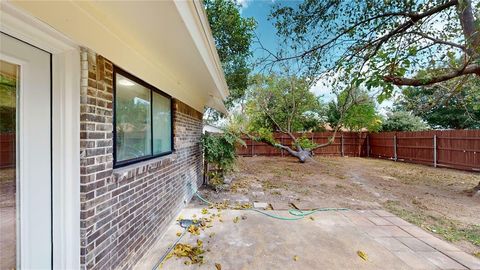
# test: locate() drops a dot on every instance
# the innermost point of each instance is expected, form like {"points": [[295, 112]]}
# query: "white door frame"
{"points": [[65, 128], [33, 166]]}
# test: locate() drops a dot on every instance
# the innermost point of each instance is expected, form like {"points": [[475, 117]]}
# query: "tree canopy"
{"points": [[233, 36], [403, 121], [382, 43], [442, 108], [361, 114], [280, 103], [285, 104]]}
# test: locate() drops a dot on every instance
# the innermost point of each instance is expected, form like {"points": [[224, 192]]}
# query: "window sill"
{"points": [[143, 166]]}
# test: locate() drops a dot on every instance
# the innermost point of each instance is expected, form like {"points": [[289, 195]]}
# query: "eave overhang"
{"points": [[165, 43]]}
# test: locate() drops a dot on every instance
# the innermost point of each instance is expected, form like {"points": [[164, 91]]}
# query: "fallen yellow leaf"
{"points": [[295, 258], [362, 255], [194, 230], [218, 266]]}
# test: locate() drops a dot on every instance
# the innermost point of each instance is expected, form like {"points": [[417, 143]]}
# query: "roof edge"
{"points": [[195, 18]]}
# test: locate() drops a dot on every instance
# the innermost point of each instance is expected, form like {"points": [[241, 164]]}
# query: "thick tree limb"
{"points": [[400, 81], [467, 20]]}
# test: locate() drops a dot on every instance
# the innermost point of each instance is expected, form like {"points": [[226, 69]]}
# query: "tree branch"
{"points": [[400, 81], [438, 41], [412, 19]]}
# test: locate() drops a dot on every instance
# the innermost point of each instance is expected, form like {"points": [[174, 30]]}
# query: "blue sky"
{"points": [[266, 32], [260, 10]]}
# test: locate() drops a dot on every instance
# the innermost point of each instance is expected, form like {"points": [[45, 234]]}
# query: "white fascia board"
{"points": [[195, 18], [217, 104]]}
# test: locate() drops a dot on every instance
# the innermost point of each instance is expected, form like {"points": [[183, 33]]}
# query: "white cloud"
{"points": [[324, 87]]}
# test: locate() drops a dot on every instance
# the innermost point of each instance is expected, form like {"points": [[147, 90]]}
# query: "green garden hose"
{"points": [[298, 214]]}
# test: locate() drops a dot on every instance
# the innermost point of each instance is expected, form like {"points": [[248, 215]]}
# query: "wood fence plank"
{"points": [[458, 149]]}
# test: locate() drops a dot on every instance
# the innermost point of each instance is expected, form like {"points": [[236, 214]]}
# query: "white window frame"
{"points": [[65, 128]]}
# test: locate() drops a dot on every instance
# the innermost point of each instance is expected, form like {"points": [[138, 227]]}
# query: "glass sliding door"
{"points": [[9, 81]]}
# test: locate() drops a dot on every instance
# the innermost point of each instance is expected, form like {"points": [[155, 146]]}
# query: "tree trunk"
{"points": [[476, 190], [302, 155]]}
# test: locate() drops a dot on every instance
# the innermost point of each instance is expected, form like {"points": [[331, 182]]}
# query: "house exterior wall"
{"points": [[124, 210]]}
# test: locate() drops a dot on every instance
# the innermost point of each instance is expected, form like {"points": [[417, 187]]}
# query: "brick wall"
{"points": [[124, 210]]}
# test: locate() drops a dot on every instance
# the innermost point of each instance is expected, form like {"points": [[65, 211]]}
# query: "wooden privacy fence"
{"points": [[7, 150], [459, 149], [345, 144]]}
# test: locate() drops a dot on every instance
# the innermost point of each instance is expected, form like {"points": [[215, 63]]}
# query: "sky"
{"points": [[266, 33]]}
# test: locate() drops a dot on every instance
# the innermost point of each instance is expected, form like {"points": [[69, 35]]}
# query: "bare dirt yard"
{"points": [[438, 200]]}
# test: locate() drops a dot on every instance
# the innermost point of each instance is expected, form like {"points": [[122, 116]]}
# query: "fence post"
{"points": [[359, 144], [342, 145], [253, 142], [281, 149], [395, 147], [435, 150], [368, 145], [313, 142]]}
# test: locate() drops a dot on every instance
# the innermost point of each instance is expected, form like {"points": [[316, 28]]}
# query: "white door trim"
{"points": [[33, 152], [65, 128]]}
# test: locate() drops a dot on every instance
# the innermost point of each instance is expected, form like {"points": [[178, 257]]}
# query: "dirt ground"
{"points": [[432, 198]]}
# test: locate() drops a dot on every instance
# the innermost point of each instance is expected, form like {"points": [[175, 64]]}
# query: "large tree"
{"points": [[382, 43], [233, 36], [285, 104], [441, 107]]}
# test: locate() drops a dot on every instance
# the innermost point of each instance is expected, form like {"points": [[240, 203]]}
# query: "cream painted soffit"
{"points": [[149, 39], [195, 18]]}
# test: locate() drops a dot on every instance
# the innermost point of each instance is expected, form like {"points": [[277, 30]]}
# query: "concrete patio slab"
{"points": [[330, 240], [280, 206], [415, 244], [441, 260], [415, 261]]}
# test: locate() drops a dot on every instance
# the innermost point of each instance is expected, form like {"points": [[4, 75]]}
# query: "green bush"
{"points": [[220, 150]]}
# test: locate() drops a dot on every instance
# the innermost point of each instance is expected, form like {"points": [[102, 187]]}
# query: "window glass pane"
{"points": [[132, 116], [162, 133], [8, 184]]}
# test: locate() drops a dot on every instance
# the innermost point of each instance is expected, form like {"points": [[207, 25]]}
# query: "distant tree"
{"points": [[403, 121], [382, 43], [233, 36], [441, 107], [361, 114]]}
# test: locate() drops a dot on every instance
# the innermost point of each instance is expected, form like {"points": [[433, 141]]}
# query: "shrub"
{"points": [[220, 150]]}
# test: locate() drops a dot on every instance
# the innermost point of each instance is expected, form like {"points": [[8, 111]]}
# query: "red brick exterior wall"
{"points": [[124, 210]]}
